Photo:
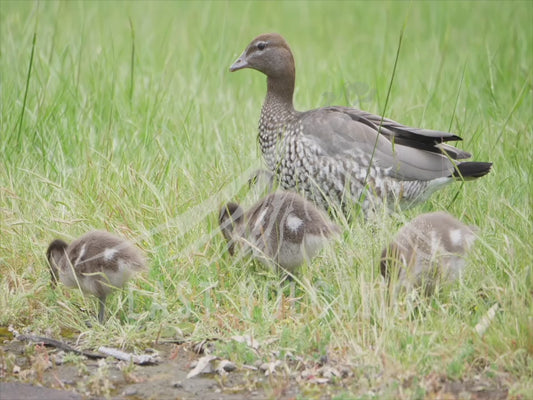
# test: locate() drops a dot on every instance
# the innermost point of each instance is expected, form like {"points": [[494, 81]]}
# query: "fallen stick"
{"points": [[57, 344], [144, 359]]}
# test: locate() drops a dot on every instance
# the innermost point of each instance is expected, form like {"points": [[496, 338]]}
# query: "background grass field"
{"points": [[127, 119]]}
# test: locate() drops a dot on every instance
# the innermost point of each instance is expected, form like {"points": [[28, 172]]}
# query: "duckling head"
{"points": [[54, 254], [229, 217]]}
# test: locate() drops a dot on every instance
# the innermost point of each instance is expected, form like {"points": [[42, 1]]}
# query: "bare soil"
{"points": [[31, 371]]}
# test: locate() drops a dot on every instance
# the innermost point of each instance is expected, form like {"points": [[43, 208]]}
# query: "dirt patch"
{"points": [[27, 391], [33, 371], [475, 388], [43, 368]]}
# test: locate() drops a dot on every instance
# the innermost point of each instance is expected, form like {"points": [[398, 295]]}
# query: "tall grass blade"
{"points": [[384, 110], [28, 76], [132, 61], [454, 111], [518, 101]]}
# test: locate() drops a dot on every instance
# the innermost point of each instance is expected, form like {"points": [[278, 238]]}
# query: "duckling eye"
{"points": [[261, 45]]}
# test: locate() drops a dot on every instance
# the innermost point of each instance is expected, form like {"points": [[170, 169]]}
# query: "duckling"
{"points": [[283, 230], [97, 263], [428, 249]]}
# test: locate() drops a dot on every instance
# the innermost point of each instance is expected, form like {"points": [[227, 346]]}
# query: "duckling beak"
{"points": [[240, 63]]}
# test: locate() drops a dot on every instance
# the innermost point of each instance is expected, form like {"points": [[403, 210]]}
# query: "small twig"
{"points": [[57, 344], [171, 341], [144, 359]]}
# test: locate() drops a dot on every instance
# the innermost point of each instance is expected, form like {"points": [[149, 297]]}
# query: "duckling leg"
{"points": [[101, 310]]}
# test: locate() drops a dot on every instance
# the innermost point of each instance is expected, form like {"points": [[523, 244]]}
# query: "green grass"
{"points": [[124, 117]]}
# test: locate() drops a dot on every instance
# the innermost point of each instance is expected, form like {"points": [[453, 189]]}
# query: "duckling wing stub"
{"points": [[344, 137]]}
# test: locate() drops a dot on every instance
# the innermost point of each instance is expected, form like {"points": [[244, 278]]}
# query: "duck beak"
{"points": [[240, 63]]}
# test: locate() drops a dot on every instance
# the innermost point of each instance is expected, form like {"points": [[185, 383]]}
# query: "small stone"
{"points": [[227, 366], [306, 373], [59, 358], [270, 368], [58, 361], [345, 371], [129, 392], [177, 385], [329, 372]]}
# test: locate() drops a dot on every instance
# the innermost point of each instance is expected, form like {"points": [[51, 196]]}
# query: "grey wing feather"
{"points": [[424, 139], [414, 155]]}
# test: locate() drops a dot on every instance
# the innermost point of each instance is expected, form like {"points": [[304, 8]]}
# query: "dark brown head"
{"points": [[55, 252], [268, 53], [230, 215]]}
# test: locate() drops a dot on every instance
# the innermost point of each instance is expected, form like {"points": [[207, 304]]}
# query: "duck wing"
{"points": [[343, 133]]}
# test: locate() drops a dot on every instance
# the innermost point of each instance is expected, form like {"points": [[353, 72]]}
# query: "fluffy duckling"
{"points": [[431, 247], [281, 230], [97, 263]]}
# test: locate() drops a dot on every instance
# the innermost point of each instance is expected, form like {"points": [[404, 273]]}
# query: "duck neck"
{"points": [[279, 94], [276, 114]]}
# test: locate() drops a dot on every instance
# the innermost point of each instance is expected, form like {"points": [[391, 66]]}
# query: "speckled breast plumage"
{"points": [[300, 164]]}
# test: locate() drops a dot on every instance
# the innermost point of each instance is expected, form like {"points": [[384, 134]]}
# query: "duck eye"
{"points": [[261, 45]]}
